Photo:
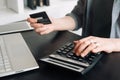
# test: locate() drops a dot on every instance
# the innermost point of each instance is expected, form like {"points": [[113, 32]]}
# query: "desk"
{"points": [[107, 68]]}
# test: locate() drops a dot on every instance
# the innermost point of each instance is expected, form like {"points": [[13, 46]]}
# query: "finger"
{"points": [[88, 50], [86, 39], [32, 20], [48, 29], [39, 30], [76, 47], [82, 47], [77, 43], [28, 19], [37, 25], [44, 32]]}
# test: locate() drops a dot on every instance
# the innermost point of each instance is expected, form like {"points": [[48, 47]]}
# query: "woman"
{"points": [[99, 20]]}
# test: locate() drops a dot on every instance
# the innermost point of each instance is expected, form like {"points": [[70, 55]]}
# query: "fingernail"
{"points": [[75, 41], [77, 54], [82, 55]]}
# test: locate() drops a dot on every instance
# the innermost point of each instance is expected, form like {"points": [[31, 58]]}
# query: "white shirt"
{"points": [[115, 27]]}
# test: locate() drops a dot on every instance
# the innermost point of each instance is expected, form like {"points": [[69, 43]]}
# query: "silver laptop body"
{"points": [[15, 27], [15, 56]]}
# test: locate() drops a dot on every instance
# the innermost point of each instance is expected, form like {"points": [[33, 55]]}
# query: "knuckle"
{"points": [[86, 42], [37, 30], [90, 36]]}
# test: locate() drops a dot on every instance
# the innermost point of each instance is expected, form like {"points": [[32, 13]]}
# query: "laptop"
{"points": [[15, 56], [15, 27]]}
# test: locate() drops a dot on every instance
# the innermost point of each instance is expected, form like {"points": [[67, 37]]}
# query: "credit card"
{"points": [[41, 17]]}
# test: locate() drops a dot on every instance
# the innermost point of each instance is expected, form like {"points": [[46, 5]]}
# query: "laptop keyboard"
{"points": [[65, 57], [4, 60], [15, 55]]}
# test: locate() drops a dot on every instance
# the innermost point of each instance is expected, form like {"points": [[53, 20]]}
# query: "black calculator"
{"points": [[65, 57]]}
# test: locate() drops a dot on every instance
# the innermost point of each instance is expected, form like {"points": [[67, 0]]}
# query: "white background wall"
{"points": [[57, 8], [2, 3]]}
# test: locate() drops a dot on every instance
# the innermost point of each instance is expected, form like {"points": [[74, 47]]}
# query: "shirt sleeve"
{"points": [[78, 13]]}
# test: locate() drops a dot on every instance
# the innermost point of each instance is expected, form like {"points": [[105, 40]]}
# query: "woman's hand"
{"points": [[93, 44], [58, 24], [41, 28]]}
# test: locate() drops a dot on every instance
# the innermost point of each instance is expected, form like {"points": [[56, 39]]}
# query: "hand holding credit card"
{"points": [[41, 17]]}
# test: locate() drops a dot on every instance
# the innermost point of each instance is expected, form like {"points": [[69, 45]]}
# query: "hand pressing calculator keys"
{"points": [[41, 17], [65, 57]]}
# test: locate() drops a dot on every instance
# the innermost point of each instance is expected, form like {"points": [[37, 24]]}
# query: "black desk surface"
{"points": [[108, 68]]}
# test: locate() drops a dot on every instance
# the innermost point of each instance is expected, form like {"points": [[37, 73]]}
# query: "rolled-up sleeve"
{"points": [[78, 13]]}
